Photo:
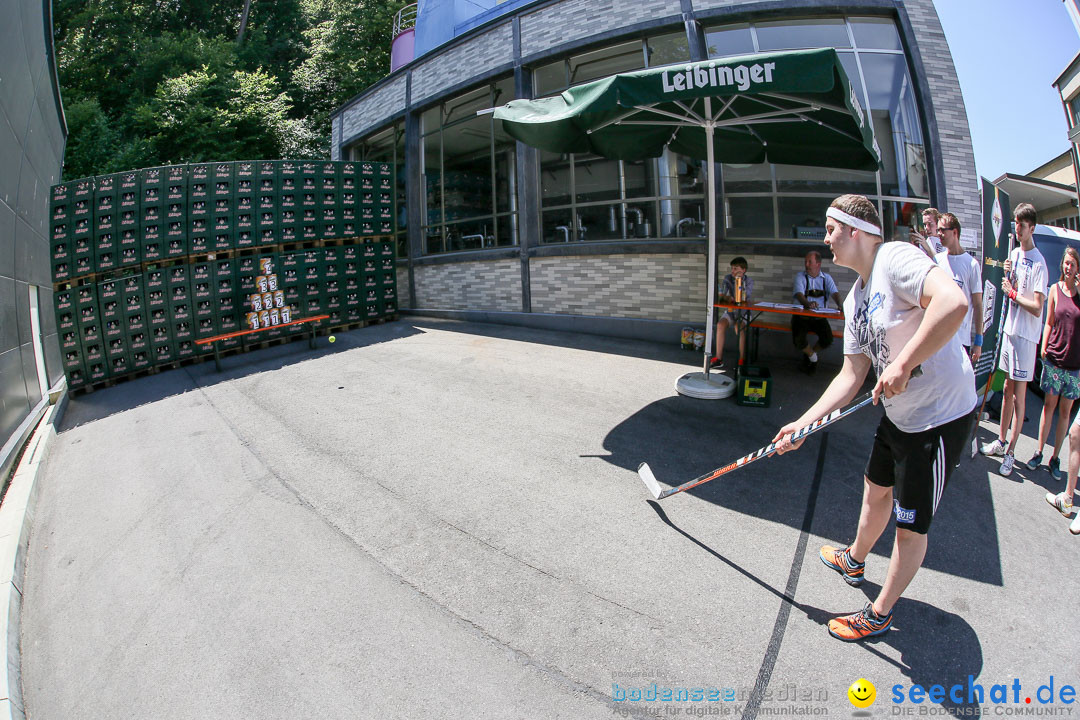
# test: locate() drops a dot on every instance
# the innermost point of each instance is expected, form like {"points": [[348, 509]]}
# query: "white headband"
{"points": [[838, 214]]}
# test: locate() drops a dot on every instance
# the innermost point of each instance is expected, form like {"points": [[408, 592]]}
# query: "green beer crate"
{"points": [[186, 348], [223, 179], [138, 340], [176, 184], [206, 327], [244, 179], [753, 386], [129, 246], [96, 371], [164, 353], [116, 346], [266, 177], [200, 182], [140, 359], [60, 197]]}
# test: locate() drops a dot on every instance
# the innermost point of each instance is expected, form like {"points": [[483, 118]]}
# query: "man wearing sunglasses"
{"points": [[965, 270]]}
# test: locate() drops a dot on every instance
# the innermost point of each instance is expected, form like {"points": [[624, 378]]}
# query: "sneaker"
{"points": [[839, 559], [1060, 503], [997, 447], [1007, 464], [1036, 461], [1074, 526], [858, 626], [716, 364], [1055, 469]]}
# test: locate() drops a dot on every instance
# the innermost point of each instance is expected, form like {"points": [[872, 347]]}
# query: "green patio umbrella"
{"points": [[794, 107]]}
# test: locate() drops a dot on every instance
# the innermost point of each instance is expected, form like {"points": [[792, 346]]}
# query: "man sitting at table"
{"points": [[813, 289]]}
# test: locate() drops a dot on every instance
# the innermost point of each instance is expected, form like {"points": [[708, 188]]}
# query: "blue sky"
{"points": [[1007, 52]]}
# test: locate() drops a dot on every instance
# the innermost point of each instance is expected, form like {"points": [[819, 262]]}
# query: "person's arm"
{"points": [[1033, 305], [946, 305], [976, 348], [800, 292], [840, 391], [837, 301], [1050, 306], [723, 296]]}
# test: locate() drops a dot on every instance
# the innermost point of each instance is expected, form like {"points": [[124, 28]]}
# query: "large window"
{"points": [[388, 145], [469, 173], [587, 198], [788, 202], [624, 57]]}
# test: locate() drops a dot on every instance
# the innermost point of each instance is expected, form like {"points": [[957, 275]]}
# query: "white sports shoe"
{"points": [[1074, 526], [1060, 503], [993, 448], [1006, 467]]}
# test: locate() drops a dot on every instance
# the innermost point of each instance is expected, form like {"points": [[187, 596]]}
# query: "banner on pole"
{"points": [[997, 225]]}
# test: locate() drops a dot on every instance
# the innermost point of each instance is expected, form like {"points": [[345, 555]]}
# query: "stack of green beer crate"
{"points": [[146, 262]]}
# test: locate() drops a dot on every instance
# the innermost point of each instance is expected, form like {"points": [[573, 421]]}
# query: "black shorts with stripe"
{"points": [[917, 466]]}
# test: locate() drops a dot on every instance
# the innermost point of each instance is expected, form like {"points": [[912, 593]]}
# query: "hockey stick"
{"points": [[1000, 331], [647, 477]]}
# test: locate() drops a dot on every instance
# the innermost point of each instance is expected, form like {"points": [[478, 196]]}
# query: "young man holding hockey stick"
{"points": [[902, 312]]}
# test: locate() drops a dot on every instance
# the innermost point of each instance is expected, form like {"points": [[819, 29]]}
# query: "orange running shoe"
{"points": [[861, 625], [839, 559]]}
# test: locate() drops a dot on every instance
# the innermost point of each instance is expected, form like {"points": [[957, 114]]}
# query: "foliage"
{"points": [[154, 82]]}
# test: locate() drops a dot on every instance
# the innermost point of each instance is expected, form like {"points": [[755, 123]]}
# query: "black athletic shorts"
{"points": [[917, 466], [801, 325]]}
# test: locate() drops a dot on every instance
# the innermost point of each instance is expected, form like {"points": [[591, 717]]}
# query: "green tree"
{"points": [[147, 82], [349, 50]]}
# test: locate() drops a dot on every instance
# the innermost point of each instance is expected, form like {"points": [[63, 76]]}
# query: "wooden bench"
{"points": [[757, 326], [242, 334]]}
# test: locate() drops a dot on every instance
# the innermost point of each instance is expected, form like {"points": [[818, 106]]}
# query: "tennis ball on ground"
{"points": [[332, 338]]}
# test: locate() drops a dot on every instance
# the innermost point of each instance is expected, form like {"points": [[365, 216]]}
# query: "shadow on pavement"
{"points": [[954, 654], [683, 438], [127, 394]]}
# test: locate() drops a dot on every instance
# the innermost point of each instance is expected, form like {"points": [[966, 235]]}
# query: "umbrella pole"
{"points": [[710, 191]]}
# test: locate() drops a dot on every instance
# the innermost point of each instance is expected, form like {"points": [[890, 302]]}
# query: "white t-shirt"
{"points": [[1029, 267], [967, 274], [820, 288], [882, 316]]}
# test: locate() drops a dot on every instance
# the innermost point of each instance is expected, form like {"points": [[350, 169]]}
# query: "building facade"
{"points": [[1068, 86], [33, 134], [492, 229]]}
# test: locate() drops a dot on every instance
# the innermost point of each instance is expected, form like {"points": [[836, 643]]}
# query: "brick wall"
{"points": [[403, 286], [710, 4], [486, 285], [954, 136], [655, 287], [474, 57], [576, 19], [372, 110]]}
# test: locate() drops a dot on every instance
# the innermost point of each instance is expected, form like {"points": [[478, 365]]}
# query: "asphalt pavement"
{"points": [[440, 519]]}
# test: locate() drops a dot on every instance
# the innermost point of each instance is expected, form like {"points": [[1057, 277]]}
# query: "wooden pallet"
{"points": [[273, 342], [344, 327], [300, 246]]}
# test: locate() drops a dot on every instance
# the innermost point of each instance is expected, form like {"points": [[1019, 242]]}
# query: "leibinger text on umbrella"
{"points": [[702, 77]]}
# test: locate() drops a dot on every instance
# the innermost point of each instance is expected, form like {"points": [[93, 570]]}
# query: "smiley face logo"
{"points": [[862, 693]]}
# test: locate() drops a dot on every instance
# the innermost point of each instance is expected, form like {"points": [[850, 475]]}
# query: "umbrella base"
{"points": [[712, 387]]}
